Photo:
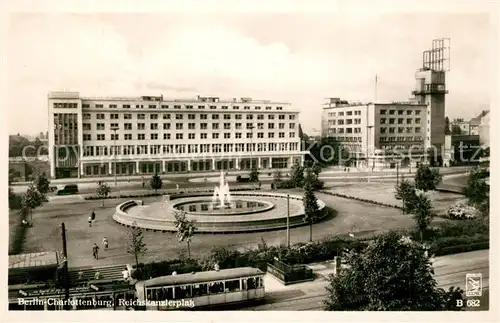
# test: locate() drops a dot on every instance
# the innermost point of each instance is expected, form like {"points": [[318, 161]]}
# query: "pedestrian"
{"points": [[105, 243], [177, 186], [97, 275], [95, 251], [90, 220], [80, 275], [93, 215]]}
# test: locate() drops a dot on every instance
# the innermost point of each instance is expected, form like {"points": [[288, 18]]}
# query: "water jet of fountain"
{"points": [[221, 193]]}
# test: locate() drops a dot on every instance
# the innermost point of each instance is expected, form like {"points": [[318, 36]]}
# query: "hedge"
{"points": [[361, 199], [19, 235]]}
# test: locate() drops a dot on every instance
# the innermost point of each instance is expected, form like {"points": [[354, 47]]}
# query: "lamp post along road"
{"points": [[114, 151], [288, 220]]}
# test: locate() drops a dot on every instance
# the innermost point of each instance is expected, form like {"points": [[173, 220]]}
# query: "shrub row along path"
{"points": [[352, 216]]}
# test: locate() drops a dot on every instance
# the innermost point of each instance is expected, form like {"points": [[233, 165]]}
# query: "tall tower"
{"points": [[430, 89]]}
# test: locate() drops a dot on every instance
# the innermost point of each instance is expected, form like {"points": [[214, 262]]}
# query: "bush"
{"points": [[461, 210]]}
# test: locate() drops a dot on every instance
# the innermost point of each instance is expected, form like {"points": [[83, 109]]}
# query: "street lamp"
{"points": [[368, 128], [114, 150], [288, 220]]}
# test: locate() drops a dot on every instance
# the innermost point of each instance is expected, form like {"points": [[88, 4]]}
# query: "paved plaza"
{"points": [[352, 216]]}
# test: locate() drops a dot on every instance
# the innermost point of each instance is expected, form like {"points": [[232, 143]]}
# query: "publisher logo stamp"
{"points": [[473, 284]]}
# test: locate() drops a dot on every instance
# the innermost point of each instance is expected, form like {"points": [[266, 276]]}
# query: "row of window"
{"points": [[196, 290], [400, 120], [187, 149], [180, 136], [191, 126], [180, 116], [345, 130], [400, 112], [402, 147], [400, 138], [346, 121], [401, 130], [347, 113], [166, 106]]}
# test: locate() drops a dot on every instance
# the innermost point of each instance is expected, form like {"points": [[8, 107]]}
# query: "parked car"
{"points": [[243, 178], [68, 190]]}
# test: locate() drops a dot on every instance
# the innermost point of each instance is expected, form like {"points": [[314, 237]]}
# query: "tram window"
{"points": [[259, 282], [182, 292], [165, 293], [251, 283], [152, 294], [200, 290], [244, 284], [216, 288], [232, 285]]}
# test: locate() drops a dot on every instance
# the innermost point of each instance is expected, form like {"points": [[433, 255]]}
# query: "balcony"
{"points": [[431, 89]]}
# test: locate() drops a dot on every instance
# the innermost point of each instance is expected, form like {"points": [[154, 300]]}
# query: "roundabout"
{"points": [[220, 212]]}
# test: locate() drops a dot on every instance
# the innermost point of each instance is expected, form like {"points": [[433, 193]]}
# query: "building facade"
{"points": [[373, 132], [147, 135], [484, 129]]}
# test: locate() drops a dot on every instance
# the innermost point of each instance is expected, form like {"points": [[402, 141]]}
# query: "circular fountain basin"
{"points": [[259, 211]]}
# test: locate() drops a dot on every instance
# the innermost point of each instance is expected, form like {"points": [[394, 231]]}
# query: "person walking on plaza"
{"points": [[105, 243], [95, 251], [93, 216], [90, 220]]}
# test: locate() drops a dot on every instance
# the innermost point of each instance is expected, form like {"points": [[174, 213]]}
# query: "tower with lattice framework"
{"points": [[430, 89]]}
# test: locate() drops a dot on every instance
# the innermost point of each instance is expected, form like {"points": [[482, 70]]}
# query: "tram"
{"points": [[201, 290]]}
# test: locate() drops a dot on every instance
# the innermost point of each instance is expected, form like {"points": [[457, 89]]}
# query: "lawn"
{"points": [[384, 193], [352, 216]]}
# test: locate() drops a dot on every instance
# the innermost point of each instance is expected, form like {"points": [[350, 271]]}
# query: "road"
{"points": [[449, 271]]}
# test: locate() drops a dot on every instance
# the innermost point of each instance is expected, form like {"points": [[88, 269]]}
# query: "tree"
{"points": [[422, 212], [42, 183], [185, 229], [156, 183], [447, 126], [405, 191], [392, 273], [310, 202], [455, 130], [477, 191], [254, 174], [136, 245], [32, 199], [427, 179], [103, 191], [297, 175], [14, 200]]}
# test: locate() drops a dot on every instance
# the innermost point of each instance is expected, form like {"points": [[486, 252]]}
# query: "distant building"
{"points": [[484, 129], [376, 132], [370, 130], [469, 127]]}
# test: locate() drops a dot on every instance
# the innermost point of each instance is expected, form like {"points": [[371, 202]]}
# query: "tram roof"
{"points": [[203, 276]]}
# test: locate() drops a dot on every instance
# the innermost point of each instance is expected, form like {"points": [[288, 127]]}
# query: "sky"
{"points": [[301, 58]]}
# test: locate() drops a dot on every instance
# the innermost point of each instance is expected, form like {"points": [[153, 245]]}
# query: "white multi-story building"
{"points": [[146, 135], [370, 130], [413, 130]]}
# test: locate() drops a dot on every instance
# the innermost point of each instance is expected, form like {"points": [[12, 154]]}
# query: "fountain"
{"points": [[222, 194], [219, 211]]}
